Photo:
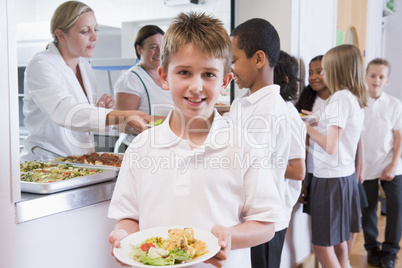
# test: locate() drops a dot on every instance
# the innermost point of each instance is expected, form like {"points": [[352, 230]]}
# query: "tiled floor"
{"points": [[359, 256]]}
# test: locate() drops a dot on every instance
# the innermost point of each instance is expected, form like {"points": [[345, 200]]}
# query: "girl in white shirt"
{"points": [[314, 97], [334, 185], [60, 90]]}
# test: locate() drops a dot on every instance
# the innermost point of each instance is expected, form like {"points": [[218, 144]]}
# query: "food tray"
{"points": [[89, 166], [53, 160], [58, 186]]}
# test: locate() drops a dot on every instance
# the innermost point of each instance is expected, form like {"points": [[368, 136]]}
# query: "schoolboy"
{"points": [[383, 118], [262, 113], [199, 180]]}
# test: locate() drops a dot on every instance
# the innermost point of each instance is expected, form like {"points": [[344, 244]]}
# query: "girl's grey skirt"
{"points": [[334, 204]]}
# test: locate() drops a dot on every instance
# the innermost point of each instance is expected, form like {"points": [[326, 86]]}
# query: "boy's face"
{"points": [[195, 81], [242, 67], [377, 77]]}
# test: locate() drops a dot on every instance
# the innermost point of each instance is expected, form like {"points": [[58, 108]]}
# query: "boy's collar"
{"points": [[256, 96], [382, 97], [217, 137]]}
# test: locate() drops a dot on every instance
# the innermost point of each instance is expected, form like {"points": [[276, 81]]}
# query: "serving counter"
{"points": [[34, 206]]}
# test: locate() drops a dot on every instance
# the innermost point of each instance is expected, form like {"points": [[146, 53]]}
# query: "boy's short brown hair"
{"points": [[379, 61], [204, 32]]}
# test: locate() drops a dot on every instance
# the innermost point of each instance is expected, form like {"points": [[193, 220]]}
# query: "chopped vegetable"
{"points": [[179, 247], [39, 172], [156, 123]]}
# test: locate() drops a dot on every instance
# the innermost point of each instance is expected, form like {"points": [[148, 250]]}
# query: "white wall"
{"points": [[276, 12], [317, 29], [374, 30], [392, 50]]}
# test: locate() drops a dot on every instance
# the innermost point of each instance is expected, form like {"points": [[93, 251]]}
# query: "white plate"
{"points": [[122, 253], [308, 118]]}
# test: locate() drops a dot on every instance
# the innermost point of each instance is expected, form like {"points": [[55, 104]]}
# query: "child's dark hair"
{"points": [[286, 76], [258, 34], [308, 95]]}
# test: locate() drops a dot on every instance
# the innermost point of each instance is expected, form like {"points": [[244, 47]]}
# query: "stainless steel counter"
{"points": [[34, 206]]}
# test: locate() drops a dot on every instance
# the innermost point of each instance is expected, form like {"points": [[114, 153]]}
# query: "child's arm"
{"points": [[296, 169], [245, 235], [330, 142], [389, 172], [359, 161], [122, 229]]}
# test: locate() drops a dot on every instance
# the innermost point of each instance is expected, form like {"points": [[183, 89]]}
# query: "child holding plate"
{"points": [[195, 169]]}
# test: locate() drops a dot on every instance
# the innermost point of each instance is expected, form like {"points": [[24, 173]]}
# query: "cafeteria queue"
{"points": [[238, 175]]}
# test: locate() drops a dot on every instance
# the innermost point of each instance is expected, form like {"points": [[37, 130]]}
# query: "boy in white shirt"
{"points": [[262, 113], [383, 118], [194, 170]]}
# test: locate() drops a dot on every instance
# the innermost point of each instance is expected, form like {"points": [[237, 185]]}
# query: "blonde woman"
{"points": [[60, 103], [334, 192]]}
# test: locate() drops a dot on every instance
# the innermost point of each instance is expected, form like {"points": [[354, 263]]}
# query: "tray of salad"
{"points": [[46, 178], [167, 246]]}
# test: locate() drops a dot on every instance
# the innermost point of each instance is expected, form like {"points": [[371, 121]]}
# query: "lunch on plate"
{"points": [[180, 246]]}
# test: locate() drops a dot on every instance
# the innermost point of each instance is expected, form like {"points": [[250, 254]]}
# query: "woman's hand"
{"points": [[138, 121], [106, 101], [225, 242], [129, 120], [115, 238]]}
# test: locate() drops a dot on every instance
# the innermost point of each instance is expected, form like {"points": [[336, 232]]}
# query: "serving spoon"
{"points": [[36, 146]]}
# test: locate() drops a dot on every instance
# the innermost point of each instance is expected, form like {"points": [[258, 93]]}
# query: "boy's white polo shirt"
{"points": [[297, 151], [163, 182], [264, 116], [381, 118]]}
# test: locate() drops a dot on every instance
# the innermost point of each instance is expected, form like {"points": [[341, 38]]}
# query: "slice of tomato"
{"points": [[147, 246]]}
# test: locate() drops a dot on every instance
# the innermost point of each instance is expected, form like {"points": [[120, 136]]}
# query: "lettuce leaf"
{"points": [[181, 255], [159, 261]]}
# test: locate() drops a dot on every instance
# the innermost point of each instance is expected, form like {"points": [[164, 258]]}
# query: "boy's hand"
{"points": [[388, 174], [224, 240], [303, 195], [114, 239]]}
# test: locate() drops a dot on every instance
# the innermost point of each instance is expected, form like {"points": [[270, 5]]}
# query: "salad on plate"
{"points": [[173, 246], [179, 247]]}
